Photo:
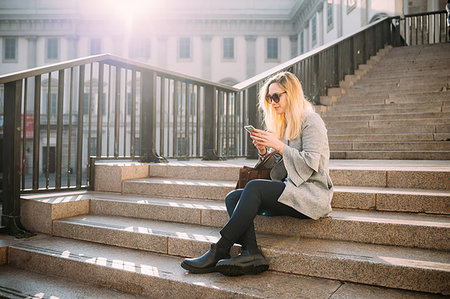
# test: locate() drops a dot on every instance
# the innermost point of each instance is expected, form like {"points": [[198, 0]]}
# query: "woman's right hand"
{"points": [[261, 148]]}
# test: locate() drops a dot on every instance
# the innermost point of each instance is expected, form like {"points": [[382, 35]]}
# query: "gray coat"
{"points": [[304, 169]]}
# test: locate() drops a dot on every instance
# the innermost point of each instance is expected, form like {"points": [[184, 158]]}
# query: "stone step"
{"points": [[284, 253], [391, 146], [362, 96], [396, 85], [386, 137], [17, 283], [412, 79], [407, 69], [379, 111], [389, 174], [388, 123], [389, 116], [160, 276], [392, 94], [393, 155], [213, 213], [389, 130], [392, 199], [388, 106]]}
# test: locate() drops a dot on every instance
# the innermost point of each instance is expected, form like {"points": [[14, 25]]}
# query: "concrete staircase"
{"points": [[386, 238], [397, 106]]}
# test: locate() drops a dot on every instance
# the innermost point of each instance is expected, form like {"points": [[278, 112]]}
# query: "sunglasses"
{"points": [[275, 97]]}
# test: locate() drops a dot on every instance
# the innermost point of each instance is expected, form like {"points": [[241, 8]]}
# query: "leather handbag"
{"points": [[247, 173]]}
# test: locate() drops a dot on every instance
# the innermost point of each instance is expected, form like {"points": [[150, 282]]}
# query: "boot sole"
{"points": [[198, 270], [237, 270]]}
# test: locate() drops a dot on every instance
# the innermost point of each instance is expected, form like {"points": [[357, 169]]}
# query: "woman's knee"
{"points": [[254, 185], [232, 198]]}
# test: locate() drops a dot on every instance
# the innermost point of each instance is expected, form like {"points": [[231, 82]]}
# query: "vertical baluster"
{"points": [[235, 97], [91, 97], [192, 106], [59, 129], [24, 130], [217, 118], [69, 150], [80, 125], [36, 131], [125, 114], [162, 118], [47, 171], [227, 117], [117, 113], [175, 118], [109, 111], [133, 113], [244, 121], [186, 119], [199, 119], [100, 109], [141, 115]]}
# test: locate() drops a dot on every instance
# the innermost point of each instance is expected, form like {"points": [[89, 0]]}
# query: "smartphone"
{"points": [[249, 128]]}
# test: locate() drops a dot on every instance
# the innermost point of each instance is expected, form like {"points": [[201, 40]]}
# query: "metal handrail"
{"points": [[285, 65], [106, 58]]}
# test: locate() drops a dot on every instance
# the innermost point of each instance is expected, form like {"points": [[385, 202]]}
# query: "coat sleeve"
{"points": [[301, 163]]}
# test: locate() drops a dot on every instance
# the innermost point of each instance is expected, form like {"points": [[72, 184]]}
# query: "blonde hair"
{"points": [[288, 124]]}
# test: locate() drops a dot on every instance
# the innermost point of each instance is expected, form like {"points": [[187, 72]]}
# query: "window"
{"points": [[10, 49], [96, 46], [184, 48], [52, 48], [351, 5], [302, 42], [329, 14], [140, 48], [314, 29], [228, 48], [272, 48]]}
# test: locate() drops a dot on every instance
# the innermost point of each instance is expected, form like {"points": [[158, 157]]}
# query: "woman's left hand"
{"points": [[268, 139]]}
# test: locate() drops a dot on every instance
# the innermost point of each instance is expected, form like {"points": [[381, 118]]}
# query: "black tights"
{"points": [[243, 205]]}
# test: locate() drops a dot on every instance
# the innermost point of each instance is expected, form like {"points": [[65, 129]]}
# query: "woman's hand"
{"points": [[262, 139]]}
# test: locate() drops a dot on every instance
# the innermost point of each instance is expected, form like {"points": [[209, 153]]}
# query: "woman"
{"points": [[300, 185]]}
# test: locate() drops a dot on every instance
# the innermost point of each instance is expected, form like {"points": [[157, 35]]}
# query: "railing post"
{"points": [[252, 152], [209, 125], [148, 150], [11, 161]]}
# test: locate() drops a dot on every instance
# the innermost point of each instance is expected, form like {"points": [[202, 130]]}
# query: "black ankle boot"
{"points": [[245, 263], [207, 262]]}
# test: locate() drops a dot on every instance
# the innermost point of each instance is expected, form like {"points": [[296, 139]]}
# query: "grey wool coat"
{"points": [[304, 169]]}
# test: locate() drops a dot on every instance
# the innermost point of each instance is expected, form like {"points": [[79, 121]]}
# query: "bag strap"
{"points": [[265, 159]]}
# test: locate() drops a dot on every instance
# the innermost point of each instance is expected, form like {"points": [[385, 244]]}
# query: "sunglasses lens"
{"points": [[275, 97]]}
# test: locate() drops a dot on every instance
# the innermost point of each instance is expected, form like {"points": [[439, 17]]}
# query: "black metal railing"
{"points": [[59, 119], [421, 29]]}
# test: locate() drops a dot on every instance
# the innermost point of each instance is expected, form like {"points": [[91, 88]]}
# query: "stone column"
{"points": [[162, 52], [321, 27], [32, 52], [294, 45], [340, 6], [250, 42], [307, 38], [364, 13], [206, 57], [72, 46]]}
